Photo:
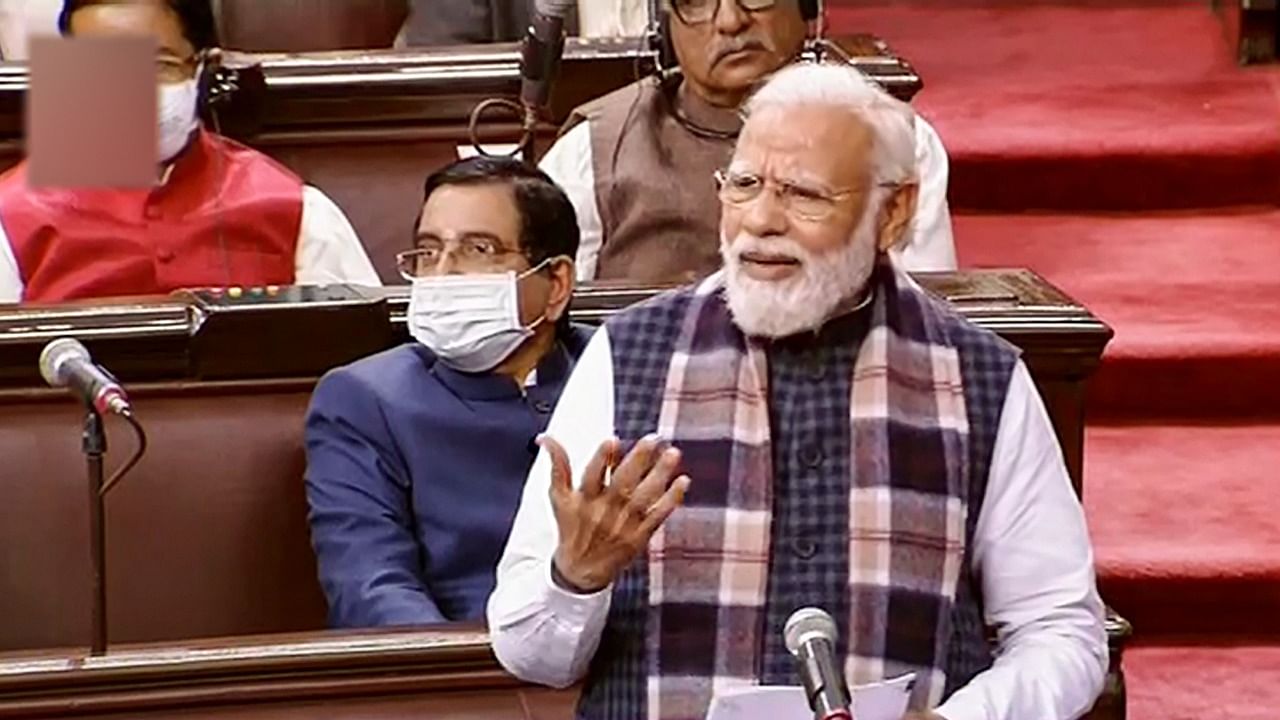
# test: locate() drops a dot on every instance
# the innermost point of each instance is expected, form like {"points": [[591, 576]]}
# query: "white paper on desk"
{"points": [[878, 701]]}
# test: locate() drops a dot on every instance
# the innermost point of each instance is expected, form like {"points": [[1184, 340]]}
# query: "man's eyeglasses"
{"points": [[800, 201], [470, 254], [695, 12]]}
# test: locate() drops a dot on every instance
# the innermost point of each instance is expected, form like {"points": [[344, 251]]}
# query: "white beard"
{"points": [[775, 309]]}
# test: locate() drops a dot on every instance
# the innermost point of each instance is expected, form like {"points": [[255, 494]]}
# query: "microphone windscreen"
{"points": [[55, 355], [554, 8], [807, 624]]}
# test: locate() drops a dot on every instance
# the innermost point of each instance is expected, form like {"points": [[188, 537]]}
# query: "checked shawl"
{"points": [[710, 560]]}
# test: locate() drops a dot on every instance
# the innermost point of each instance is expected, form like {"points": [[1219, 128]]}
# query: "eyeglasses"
{"points": [[695, 12], [799, 200], [170, 69], [469, 253]]}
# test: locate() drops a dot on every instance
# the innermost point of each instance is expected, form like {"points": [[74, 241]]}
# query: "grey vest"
{"points": [[654, 181], [809, 382]]}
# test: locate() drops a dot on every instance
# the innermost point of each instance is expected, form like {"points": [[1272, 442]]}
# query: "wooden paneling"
{"points": [[444, 672], [309, 25]]}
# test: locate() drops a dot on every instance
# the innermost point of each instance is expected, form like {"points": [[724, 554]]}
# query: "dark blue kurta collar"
{"points": [[552, 373]]}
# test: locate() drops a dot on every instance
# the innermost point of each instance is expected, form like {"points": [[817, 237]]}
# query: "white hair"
{"points": [[891, 121]]}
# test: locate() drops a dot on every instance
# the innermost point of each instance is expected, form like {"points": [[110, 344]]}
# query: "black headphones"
{"points": [[662, 37], [216, 85], [205, 82]]}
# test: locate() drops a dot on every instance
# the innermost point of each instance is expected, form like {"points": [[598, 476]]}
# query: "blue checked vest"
{"points": [[809, 389]]}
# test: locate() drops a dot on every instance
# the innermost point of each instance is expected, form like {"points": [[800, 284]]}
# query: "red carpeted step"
{"points": [[1194, 299], [1185, 521], [1087, 108], [1198, 681]]}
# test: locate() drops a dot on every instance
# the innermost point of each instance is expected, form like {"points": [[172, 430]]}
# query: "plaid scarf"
{"points": [[708, 564]]}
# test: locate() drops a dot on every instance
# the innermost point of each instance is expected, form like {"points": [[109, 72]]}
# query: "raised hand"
{"points": [[603, 526]]}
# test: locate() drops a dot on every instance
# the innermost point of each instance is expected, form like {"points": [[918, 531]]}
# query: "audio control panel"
{"points": [[279, 330], [258, 296]]}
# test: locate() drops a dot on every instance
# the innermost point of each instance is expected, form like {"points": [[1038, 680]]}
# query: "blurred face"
{"points": [[725, 49], [476, 229], [175, 57], [176, 63], [799, 223]]}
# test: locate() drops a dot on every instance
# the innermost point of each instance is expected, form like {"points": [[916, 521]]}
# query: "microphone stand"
{"points": [[93, 442]]}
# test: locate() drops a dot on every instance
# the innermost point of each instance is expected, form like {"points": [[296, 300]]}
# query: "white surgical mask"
{"points": [[176, 117], [471, 322]]}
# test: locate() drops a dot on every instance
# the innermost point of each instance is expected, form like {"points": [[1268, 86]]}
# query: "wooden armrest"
{"points": [[1119, 632], [1112, 704]]}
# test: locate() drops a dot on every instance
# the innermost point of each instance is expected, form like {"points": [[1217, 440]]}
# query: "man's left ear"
{"points": [[563, 275], [895, 216]]}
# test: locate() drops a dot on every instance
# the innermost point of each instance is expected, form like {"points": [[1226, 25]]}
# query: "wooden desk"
{"points": [[403, 674], [1254, 25], [435, 673], [366, 127]]}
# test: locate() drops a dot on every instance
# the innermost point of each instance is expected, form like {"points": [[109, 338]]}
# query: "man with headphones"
{"points": [[638, 163], [219, 214]]}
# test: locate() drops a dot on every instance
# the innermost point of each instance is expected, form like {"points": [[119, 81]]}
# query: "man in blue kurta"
{"points": [[416, 457]]}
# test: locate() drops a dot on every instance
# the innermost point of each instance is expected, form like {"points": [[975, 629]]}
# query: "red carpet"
{"points": [[1191, 682], [1151, 167], [1183, 520], [1087, 108], [1193, 296]]}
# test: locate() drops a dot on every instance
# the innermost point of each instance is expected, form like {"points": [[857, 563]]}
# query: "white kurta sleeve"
{"points": [[329, 251], [568, 162], [1032, 554], [21, 19], [930, 245], [10, 275], [619, 18], [541, 633]]}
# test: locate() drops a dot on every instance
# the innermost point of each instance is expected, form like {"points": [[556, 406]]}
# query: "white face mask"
{"points": [[471, 322], [176, 117]]}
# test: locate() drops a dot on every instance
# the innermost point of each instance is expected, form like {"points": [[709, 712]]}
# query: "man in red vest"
{"points": [[219, 214]]}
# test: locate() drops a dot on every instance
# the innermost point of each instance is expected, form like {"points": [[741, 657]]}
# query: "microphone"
{"points": [[66, 363], [811, 637], [541, 51]]}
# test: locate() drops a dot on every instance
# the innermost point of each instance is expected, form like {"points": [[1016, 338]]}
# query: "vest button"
{"points": [[811, 455], [542, 406], [804, 549]]}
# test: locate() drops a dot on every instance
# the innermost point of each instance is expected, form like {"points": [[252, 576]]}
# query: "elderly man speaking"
{"points": [[805, 427]]}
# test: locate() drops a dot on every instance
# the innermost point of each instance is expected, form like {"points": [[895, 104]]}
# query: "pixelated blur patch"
{"points": [[91, 113]]}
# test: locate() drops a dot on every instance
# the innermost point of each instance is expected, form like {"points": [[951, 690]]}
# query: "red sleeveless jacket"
{"points": [[227, 215]]}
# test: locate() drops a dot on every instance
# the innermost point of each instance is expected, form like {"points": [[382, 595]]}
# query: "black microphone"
{"points": [[66, 363], [541, 51], [811, 637]]}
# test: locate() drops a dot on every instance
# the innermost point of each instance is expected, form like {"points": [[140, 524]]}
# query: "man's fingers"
{"points": [[594, 476], [635, 465], [667, 504], [657, 480], [561, 473]]}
